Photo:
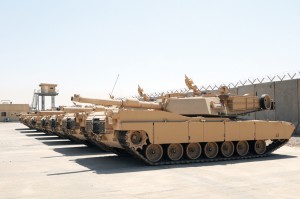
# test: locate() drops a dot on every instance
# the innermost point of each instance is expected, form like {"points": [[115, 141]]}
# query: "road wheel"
{"points": [[175, 151], [227, 149], [211, 149], [154, 152], [260, 147], [193, 151], [242, 148]]}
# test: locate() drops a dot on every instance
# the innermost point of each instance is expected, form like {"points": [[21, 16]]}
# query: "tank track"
{"points": [[60, 135], [164, 161], [77, 140], [103, 147]]}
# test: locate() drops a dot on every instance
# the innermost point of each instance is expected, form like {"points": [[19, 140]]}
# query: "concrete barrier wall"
{"points": [[286, 95], [248, 89], [233, 91], [286, 98]]}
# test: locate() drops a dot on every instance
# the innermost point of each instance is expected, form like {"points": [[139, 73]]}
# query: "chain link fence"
{"points": [[249, 81]]}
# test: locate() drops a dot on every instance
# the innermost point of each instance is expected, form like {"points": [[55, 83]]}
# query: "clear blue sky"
{"points": [[84, 45]]}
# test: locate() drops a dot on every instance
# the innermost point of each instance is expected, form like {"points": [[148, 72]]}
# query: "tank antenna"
{"points": [[111, 94]]}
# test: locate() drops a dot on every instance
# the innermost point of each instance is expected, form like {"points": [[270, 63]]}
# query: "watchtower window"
{"points": [[3, 114]]}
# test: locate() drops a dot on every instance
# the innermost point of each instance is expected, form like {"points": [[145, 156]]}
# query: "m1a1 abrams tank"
{"points": [[35, 121], [93, 124], [25, 119], [178, 130], [40, 120], [73, 122], [22, 117], [45, 121], [30, 120], [55, 124]]}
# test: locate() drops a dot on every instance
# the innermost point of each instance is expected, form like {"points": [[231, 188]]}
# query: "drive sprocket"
{"points": [[136, 139]]}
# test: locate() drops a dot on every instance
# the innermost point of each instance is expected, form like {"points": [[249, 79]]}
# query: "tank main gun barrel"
{"points": [[131, 103], [82, 109], [43, 113], [76, 109]]}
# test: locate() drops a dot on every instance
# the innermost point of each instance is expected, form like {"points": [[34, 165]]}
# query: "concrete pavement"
{"points": [[36, 165]]}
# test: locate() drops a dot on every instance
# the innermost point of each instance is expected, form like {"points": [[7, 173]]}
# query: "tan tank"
{"points": [[92, 123], [61, 122], [35, 121], [40, 120], [25, 119], [73, 122], [45, 121], [49, 121], [204, 127], [55, 124]]}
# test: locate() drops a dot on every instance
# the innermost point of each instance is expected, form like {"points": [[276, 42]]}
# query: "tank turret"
{"points": [[75, 109], [43, 113], [221, 105], [81, 109]]}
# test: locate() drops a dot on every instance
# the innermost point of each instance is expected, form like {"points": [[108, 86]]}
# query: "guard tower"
{"points": [[45, 90]]}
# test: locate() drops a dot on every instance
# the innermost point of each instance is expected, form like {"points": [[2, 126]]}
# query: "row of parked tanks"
{"points": [[171, 129]]}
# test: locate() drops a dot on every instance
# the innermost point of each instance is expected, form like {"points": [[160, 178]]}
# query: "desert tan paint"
{"points": [[164, 127], [200, 105], [189, 131], [189, 119], [76, 131]]}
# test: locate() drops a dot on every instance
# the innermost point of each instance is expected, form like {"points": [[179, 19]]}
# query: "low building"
{"points": [[10, 112]]}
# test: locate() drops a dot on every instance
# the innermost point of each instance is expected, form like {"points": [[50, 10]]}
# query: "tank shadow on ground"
{"points": [[23, 129], [63, 142], [49, 138], [30, 131], [38, 134], [71, 172], [52, 139], [80, 150], [114, 164]]}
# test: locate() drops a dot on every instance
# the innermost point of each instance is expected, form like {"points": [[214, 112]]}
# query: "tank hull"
{"points": [[135, 131]]}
